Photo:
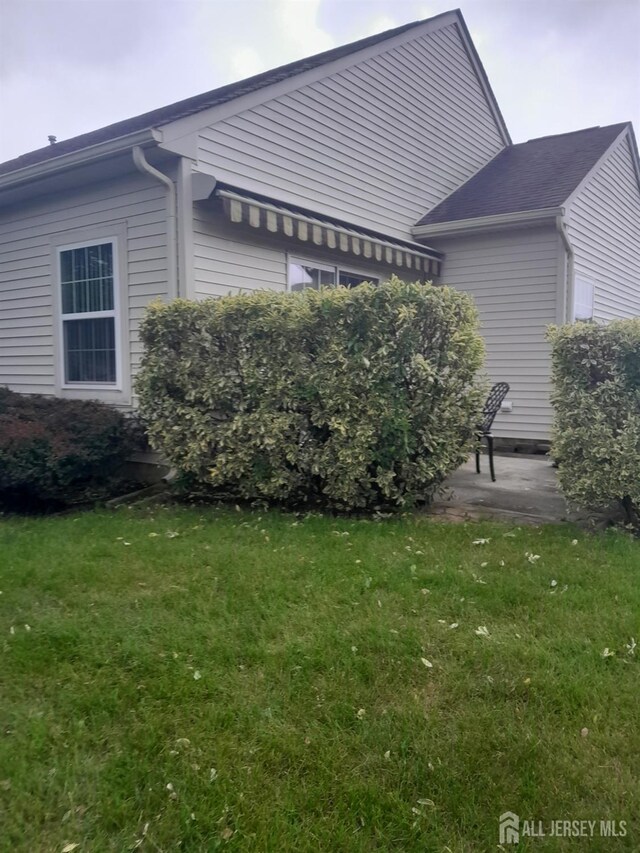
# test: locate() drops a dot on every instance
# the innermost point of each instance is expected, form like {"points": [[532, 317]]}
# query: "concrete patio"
{"points": [[525, 490]]}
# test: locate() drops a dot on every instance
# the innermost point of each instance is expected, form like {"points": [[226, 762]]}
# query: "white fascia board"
{"points": [[486, 223], [78, 158], [596, 166], [483, 80], [175, 130]]}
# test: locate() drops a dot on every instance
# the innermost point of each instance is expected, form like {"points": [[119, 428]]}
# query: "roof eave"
{"points": [[486, 223], [78, 158]]}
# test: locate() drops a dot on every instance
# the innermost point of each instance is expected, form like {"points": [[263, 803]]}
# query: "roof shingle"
{"points": [[534, 175]]}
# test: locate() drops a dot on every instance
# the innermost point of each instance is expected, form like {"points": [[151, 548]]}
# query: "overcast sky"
{"points": [[69, 66]]}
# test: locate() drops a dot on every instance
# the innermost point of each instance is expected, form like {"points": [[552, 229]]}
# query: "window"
{"points": [[303, 274], [88, 295], [583, 298]]}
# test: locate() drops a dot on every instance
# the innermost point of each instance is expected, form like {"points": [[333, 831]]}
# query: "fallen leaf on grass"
{"points": [[481, 541], [360, 713], [607, 653], [68, 848], [427, 663], [482, 631], [584, 732]]}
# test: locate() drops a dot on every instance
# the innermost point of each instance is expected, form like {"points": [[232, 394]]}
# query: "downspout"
{"points": [[568, 285], [142, 164]]}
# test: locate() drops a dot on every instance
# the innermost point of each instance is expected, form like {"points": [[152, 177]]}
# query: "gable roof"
{"points": [[224, 94], [535, 175]]}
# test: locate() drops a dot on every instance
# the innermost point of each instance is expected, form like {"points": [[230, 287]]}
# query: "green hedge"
{"points": [[349, 398], [56, 452], [596, 378]]}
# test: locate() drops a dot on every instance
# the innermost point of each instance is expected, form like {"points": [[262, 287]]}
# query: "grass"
{"points": [[203, 679]]}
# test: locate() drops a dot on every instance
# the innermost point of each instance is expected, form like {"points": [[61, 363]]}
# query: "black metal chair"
{"points": [[490, 410]]}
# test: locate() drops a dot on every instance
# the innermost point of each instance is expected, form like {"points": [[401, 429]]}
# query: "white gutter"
{"points": [[77, 158], [568, 283], [172, 219], [484, 223]]}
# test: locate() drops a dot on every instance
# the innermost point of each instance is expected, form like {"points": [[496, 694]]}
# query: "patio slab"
{"points": [[525, 490]]}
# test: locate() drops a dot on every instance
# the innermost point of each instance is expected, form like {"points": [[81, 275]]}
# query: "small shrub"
{"points": [[350, 398], [596, 377], [57, 452]]}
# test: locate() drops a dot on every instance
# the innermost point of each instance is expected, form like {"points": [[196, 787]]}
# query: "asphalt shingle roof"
{"points": [[189, 106], [532, 175]]}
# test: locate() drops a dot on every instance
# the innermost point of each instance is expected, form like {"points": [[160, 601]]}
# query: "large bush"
{"points": [[596, 377], [352, 398], [56, 452]]}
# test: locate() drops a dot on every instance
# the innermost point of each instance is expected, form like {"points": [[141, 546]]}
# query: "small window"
{"points": [[303, 274], [88, 301], [583, 298]]}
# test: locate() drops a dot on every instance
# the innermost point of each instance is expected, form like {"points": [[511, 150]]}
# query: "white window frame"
{"points": [[584, 281], [118, 392], [336, 269]]}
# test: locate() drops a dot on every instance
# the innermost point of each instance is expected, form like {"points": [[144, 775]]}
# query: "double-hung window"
{"points": [[303, 274], [88, 299]]}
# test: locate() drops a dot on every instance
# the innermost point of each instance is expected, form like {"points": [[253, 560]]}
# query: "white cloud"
{"points": [[297, 23], [245, 62]]}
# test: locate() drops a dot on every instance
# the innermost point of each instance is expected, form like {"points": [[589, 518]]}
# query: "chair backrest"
{"points": [[492, 405]]}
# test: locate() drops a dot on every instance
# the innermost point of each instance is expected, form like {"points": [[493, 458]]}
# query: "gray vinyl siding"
{"points": [[512, 276], [376, 144], [231, 258], [604, 229], [227, 259], [27, 236]]}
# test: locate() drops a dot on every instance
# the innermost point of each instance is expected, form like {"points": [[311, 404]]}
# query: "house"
{"points": [[388, 155]]}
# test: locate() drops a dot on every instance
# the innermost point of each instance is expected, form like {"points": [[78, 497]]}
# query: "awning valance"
{"points": [[272, 217]]}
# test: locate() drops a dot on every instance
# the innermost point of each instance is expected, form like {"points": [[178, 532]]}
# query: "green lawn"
{"points": [[194, 679]]}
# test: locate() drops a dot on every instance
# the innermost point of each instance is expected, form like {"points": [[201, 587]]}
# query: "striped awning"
{"points": [[271, 217]]}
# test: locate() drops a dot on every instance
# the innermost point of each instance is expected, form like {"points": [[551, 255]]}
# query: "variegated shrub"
{"points": [[596, 378], [347, 398]]}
